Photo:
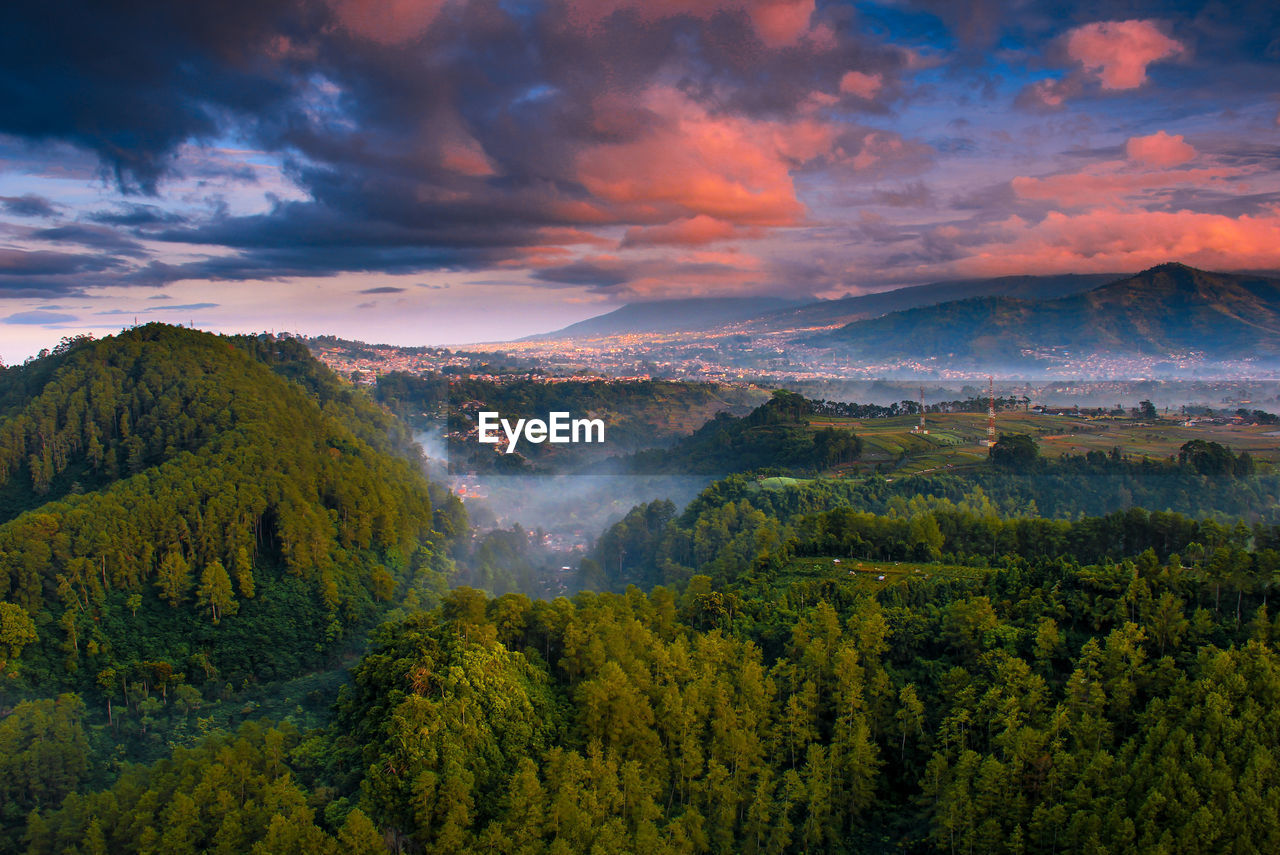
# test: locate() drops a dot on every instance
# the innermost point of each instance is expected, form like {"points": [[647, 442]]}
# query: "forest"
{"points": [[230, 621]]}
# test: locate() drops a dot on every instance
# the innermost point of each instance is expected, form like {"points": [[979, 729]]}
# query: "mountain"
{"points": [[1166, 310], [694, 313], [827, 313], [177, 503]]}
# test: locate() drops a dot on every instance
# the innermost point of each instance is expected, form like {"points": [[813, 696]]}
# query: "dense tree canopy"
{"points": [[198, 496], [997, 661]]}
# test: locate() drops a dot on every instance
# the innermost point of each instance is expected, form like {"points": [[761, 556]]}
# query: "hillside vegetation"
{"points": [[179, 505]]}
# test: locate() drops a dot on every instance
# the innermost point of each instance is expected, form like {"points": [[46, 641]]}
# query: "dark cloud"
{"points": [[136, 216], [28, 205], [642, 278], [39, 317], [95, 237], [191, 307], [914, 195], [1204, 201], [15, 263], [595, 274], [45, 274], [131, 82], [383, 289]]}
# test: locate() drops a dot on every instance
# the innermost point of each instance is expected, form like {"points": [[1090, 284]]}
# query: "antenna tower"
{"points": [[921, 428]]}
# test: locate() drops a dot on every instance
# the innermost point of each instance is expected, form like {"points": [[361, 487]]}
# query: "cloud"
{"points": [[189, 307], [1160, 149], [775, 22], [1111, 239], [28, 205], [95, 237], [137, 216], [694, 162], [916, 194], [861, 84], [388, 22], [1050, 94], [572, 142], [1118, 53], [16, 262], [191, 68], [698, 273], [383, 289], [1104, 186], [39, 317], [445, 135], [692, 231]]}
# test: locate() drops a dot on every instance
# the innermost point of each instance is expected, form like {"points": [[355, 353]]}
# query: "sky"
{"points": [[449, 171]]}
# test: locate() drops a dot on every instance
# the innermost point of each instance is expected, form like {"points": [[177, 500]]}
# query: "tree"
{"points": [[215, 590], [909, 717], [174, 577], [1014, 450], [17, 630]]}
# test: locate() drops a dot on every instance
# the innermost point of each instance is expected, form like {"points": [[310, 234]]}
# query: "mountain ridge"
{"points": [[677, 315], [1168, 309]]}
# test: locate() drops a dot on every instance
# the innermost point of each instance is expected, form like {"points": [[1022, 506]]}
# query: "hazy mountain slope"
{"points": [[849, 309], [695, 313], [1167, 309]]}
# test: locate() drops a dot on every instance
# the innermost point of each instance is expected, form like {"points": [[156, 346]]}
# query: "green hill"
{"points": [[1165, 310], [775, 435], [176, 505]]}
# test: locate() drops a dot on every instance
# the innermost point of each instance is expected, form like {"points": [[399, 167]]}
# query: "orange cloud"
{"points": [[1160, 149], [691, 231], [462, 153], [1112, 239], [777, 22], [1092, 188], [693, 163], [387, 22], [1118, 52], [860, 84]]}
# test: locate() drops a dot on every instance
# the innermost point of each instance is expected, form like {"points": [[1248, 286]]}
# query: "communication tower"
{"points": [[920, 428]]}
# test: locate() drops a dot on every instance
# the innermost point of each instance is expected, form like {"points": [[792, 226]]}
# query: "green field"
{"points": [[956, 439]]}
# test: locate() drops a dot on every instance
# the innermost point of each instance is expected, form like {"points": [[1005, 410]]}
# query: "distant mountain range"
{"points": [[1012, 320], [826, 313], [773, 314], [1167, 309], [695, 313]]}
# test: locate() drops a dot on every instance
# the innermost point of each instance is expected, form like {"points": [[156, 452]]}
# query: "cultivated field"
{"points": [[956, 439]]}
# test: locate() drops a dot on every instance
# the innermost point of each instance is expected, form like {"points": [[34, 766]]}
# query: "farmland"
{"points": [[956, 439]]}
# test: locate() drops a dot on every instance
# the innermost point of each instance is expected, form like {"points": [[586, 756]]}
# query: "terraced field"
{"points": [[956, 439]]}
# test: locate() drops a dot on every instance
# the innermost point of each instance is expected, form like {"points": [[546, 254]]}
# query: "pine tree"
{"points": [[215, 591]]}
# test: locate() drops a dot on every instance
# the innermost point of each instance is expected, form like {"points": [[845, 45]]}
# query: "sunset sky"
{"points": [[443, 171]]}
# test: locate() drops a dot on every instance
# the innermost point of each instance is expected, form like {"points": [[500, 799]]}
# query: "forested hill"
{"points": [[775, 435], [174, 504]]}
